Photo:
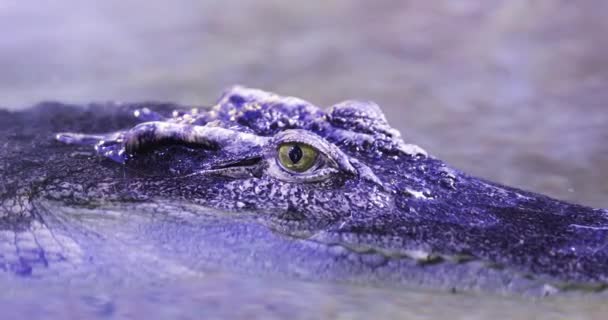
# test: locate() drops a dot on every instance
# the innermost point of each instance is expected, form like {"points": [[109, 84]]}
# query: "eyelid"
{"points": [[318, 175], [329, 151]]}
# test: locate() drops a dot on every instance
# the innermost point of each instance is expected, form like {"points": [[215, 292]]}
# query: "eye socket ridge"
{"points": [[302, 156]]}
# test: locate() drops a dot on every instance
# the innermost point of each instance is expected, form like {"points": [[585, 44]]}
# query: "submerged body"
{"points": [[270, 185]]}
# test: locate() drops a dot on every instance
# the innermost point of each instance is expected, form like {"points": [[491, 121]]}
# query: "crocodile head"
{"points": [[331, 194], [281, 157]]}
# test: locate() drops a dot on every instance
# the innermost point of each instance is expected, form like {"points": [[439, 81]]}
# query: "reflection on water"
{"points": [[224, 296], [515, 91]]}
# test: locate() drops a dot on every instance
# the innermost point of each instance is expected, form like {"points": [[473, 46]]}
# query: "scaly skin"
{"points": [[121, 191]]}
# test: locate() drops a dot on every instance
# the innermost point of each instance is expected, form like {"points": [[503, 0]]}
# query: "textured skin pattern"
{"points": [[201, 189]]}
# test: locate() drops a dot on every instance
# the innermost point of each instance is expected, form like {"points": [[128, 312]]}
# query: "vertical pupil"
{"points": [[295, 154]]}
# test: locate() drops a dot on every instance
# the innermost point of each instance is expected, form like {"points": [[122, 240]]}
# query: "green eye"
{"points": [[297, 157]]}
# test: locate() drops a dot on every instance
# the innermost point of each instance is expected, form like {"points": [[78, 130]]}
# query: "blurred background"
{"points": [[515, 91]]}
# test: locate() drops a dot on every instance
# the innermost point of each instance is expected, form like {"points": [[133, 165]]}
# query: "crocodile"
{"points": [[270, 185]]}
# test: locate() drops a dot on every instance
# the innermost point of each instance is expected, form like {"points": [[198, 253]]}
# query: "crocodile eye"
{"points": [[297, 157]]}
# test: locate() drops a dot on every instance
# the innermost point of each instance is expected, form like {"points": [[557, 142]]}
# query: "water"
{"points": [[514, 91], [222, 296]]}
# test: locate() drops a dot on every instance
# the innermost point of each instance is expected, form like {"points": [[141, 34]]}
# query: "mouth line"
{"points": [[239, 169], [243, 163], [425, 259]]}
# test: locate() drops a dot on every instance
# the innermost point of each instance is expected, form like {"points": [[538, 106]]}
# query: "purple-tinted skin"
{"points": [[210, 194]]}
